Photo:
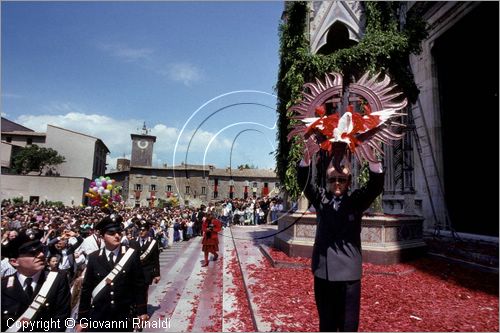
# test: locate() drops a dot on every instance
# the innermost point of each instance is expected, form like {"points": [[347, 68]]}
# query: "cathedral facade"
{"points": [[457, 75]]}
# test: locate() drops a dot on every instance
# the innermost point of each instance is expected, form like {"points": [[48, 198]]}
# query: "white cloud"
{"points": [[115, 133], [176, 71], [183, 72], [126, 53]]}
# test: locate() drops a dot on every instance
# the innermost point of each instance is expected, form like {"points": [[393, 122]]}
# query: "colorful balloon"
{"points": [[104, 192]]}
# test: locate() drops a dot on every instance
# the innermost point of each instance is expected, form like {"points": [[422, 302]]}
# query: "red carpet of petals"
{"points": [[241, 309], [192, 317], [423, 295], [285, 297], [195, 302], [281, 256], [216, 317]]}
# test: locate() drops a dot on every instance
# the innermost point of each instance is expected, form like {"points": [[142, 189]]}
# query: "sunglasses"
{"points": [[112, 233], [340, 180]]}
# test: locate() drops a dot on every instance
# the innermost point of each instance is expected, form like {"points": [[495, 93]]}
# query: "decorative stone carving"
{"points": [[305, 231], [326, 13], [385, 239]]}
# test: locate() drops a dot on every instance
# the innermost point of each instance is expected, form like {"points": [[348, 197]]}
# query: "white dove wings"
{"points": [[358, 128]]}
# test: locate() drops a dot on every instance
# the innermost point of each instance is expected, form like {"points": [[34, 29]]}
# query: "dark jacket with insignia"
{"points": [[119, 299], [337, 246], [151, 263], [56, 306]]}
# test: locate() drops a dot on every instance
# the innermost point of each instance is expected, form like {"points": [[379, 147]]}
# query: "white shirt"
{"points": [[142, 241], [115, 253], [66, 260], [22, 278], [6, 268]]}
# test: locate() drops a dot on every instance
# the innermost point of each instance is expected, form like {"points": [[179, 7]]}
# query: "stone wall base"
{"points": [[385, 239], [393, 255]]}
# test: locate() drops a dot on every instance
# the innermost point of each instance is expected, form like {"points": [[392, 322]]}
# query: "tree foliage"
{"points": [[35, 158], [171, 202], [391, 35], [246, 166]]}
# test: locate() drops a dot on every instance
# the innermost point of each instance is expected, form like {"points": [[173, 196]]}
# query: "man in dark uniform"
{"points": [[45, 296], [199, 221], [149, 252], [113, 284], [336, 258]]}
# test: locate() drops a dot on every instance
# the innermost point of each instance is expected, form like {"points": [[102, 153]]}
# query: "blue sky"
{"points": [[200, 74]]}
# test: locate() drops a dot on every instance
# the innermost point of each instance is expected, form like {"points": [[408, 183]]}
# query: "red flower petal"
{"points": [[320, 111]]}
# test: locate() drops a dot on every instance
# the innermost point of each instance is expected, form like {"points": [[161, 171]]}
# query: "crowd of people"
{"points": [[96, 266], [74, 262]]}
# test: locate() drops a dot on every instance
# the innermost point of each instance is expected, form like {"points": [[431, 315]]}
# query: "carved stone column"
{"points": [[297, 240]]}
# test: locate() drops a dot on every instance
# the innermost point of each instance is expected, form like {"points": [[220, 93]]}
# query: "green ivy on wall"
{"points": [[385, 47]]}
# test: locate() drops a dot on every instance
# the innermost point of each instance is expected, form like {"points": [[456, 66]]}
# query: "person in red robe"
{"points": [[210, 243]]}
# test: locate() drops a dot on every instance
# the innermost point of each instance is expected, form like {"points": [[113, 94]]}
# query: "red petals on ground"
{"points": [[284, 297], [191, 318], [423, 295], [281, 256], [435, 297], [241, 308]]}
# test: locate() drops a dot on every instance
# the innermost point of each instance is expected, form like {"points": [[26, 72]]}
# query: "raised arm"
{"points": [[307, 183], [365, 196]]}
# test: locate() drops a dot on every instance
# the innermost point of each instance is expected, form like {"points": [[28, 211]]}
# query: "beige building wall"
{"points": [[82, 155], [254, 181], [24, 139], [5, 154], [68, 190], [166, 183]]}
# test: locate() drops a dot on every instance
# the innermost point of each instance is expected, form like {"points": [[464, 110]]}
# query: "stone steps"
{"points": [[193, 298]]}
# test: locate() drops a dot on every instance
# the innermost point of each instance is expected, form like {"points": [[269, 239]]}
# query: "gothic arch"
{"points": [[338, 37], [326, 15]]}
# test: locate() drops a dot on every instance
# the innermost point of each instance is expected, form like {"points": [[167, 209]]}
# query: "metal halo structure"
{"points": [[379, 95]]}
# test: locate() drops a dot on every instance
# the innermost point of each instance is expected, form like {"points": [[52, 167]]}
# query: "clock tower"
{"points": [[142, 148]]}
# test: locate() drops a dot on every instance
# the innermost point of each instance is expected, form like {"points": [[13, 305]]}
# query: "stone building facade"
{"points": [[144, 185], [85, 154], [457, 75], [192, 184], [85, 160]]}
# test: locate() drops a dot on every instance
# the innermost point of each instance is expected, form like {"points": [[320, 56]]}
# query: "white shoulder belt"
{"points": [[111, 276], [36, 304], [149, 249]]}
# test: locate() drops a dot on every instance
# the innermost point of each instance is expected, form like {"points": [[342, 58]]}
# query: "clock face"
{"points": [[142, 144]]}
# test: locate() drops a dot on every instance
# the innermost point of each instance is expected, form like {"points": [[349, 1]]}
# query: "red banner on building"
{"points": [[265, 191]]}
